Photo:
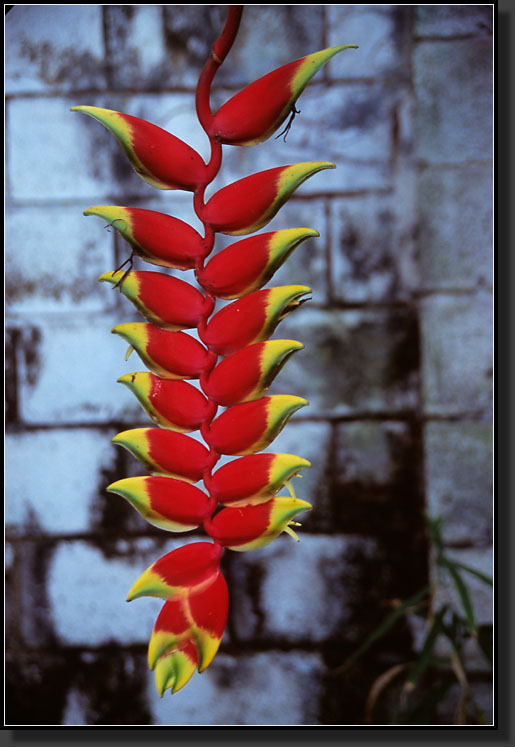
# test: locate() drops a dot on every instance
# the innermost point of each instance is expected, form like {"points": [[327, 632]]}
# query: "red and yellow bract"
{"points": [[253, 478], [246, 374], [190, 626], [166, 301], [157, 238], [166, 452]]}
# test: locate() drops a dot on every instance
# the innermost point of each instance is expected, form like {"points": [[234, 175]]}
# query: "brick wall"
{"points": [[397, 365]]}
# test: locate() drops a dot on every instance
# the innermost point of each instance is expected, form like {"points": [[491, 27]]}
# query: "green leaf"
{"points": [[434, 530], [424, 657], [385, 626], [463, 594], [482, 576]]}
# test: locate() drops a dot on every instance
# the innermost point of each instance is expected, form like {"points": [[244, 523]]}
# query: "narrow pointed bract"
{"points": [[156, 237], [251, 527], [254, 478], [246, 374], [249, 204], [251, 319], [165, 502], [252, 426], [166, 452], [175, 669], [171, 355], [165, 301], [255, 113], [249, 263], [160, 158], [180, 573], [171, 404]]}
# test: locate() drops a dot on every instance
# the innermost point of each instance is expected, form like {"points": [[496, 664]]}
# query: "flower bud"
{"points": [[176, 668], [201, 618]]}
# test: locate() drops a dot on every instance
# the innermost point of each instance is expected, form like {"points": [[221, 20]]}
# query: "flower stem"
{"points": [[218, 54], [202, 100]]}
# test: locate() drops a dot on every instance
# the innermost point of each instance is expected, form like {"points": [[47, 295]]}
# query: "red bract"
{"points": [[172, 355], [194, 626], [250, 319], [165, 502], [252, 426], [161, 159], [163, 300], [171, 404], [250, 263], [256, 112], [247, 373], [252, 527], [254, 478], [180, 573], [190, 626], [157, 238], [166, 452], [249, 204]]}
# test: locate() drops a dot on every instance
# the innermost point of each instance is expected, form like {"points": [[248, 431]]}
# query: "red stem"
{"points": [[223, 44], [202, 100], [218, 54]]}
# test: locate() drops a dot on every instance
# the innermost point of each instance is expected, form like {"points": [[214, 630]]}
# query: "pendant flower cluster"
{"points": [[231, 359]]}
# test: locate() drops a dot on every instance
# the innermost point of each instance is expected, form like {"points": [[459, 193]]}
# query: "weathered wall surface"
{"points": [[397, 365]]}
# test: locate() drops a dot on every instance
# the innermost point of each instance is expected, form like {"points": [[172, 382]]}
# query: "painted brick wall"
{"points": [[397, 365]]}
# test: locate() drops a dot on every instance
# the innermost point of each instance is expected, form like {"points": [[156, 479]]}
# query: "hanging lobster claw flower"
{"points": [[251, 527], [249, 264], [249, 204], [176, 668], [200, 618], [166, 452], [167, 503], [255, 113], [165, 301], [252, 426], [172, 355], [250, 319], [160, 159], [156, 237], [254, 478], [246, 374], [171, 404], [180, 573]]}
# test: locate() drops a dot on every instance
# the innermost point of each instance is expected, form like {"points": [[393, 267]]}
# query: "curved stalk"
{"points": [[218, 54]]}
